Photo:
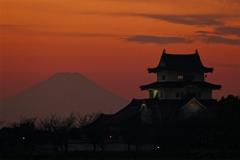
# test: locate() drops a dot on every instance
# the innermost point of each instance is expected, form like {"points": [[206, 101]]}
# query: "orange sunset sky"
{"points": [[113, 42]]}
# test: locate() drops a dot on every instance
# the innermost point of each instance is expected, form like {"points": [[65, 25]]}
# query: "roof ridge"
{"points": [[181, 54]]}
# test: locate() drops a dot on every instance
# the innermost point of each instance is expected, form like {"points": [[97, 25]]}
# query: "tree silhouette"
{"points": [[84, 120], [59, 127], [228, 122], [1, 123], [95, 133], [21, 135]]}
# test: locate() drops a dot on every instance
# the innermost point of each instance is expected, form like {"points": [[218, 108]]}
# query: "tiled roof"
{"points": [[131, 113], [180, 84], [180, 62], [121, 116], [172, 103]]}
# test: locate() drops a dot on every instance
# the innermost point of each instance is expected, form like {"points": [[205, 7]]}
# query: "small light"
{"points": [[23, 137], [158, 147], [110, 136]]}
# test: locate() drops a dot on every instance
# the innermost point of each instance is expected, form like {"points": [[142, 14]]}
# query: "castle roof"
{"points": [[120, 117], [180, 84], [132, 112], [180, 62], [172, 103]]}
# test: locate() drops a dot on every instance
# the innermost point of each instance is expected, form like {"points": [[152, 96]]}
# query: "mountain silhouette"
{"points": [[62, 93]]}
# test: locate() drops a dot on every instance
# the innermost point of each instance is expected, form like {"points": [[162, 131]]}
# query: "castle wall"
{"points": [[174, 76], [180, 93]]}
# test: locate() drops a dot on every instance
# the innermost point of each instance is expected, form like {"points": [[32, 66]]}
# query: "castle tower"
{"points": [[180, 90], [179, 75]]}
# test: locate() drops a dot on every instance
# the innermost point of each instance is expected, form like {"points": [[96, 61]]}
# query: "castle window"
{"points": [[199, 95], [182, 94], [161, 95], [185, 77], [163, 77], [151, 94], [179, 94], [188, 77], [180, 77]]}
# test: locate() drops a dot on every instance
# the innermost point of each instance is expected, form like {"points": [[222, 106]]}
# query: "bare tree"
{"points": [[67, 123], [84, 120], [24, 123], [59, 127], [93, 133], [1, 123], [21, 134], [50, 123], [97, 135]]}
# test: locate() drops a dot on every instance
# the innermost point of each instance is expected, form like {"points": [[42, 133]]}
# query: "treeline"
{"points": [[53, 122], [22, 136], [220, 131]]}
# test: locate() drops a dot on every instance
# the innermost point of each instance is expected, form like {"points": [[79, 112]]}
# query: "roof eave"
{"points": [[157, 69], [207, 70], [218, 87], [215, 87], [154, 70]]}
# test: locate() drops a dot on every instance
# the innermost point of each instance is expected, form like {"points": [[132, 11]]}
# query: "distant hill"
{"points": [[62, 93]]}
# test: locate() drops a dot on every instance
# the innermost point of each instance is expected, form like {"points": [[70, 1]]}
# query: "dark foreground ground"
{"points": [[154, 155]]}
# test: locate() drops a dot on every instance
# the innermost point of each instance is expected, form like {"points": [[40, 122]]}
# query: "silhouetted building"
{"points": [[180, 89], [179, 93]]}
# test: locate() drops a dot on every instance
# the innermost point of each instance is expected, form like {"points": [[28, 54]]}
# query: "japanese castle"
{"points": [[178, 75], [180, 88], [179, 92]]}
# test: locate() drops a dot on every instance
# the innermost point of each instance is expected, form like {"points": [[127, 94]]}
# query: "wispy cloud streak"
{"points": [[216, 36], [29, 30], [219, 39], [228, 30], [157, 39], [199, 20]]}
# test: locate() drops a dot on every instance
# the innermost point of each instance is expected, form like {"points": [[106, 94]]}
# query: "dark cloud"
{"points": [[75, 34], [8, 26], [200, 20], [156, 39], [219, 39], [228, 30], [203, 32], [12, 27], [38, 30], [172, 40], [216, 36]]}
